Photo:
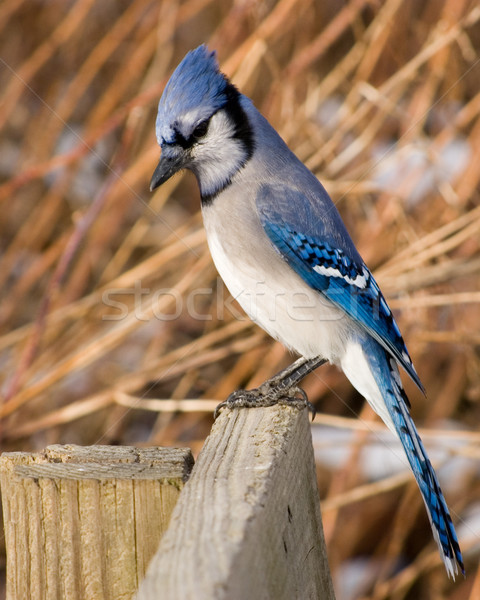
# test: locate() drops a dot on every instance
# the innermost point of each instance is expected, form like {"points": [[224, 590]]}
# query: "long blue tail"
{"points": [[385, 371]]}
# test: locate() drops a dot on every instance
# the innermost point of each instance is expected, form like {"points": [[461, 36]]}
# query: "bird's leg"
{"points": [[293, 374], [282, 388]]}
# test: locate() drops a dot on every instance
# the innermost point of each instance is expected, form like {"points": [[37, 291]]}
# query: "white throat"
{"points": [[218, 156]]}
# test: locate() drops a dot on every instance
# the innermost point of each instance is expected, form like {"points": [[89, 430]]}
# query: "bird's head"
{"points": [[202, 124]]}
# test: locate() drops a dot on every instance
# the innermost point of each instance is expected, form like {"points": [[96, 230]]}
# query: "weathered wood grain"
{"points": [[248, 521], [84, 522]]}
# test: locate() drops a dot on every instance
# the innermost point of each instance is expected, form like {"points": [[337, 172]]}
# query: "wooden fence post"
{"points": [[81, 523], [248, 523]]}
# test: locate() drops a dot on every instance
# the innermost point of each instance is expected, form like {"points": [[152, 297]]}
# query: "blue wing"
{"points": [[337, 273]]}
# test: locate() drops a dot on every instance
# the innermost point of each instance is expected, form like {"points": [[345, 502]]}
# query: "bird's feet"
{"points": [[267, 395], [282, 388]]}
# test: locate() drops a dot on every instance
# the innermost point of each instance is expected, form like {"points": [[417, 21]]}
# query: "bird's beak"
{"points": [[170, 163]]}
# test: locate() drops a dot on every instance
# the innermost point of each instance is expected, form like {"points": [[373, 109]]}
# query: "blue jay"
{"points": [[283, 251]]}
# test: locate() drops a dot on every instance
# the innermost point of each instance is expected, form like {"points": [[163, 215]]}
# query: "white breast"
{"points": [[268, 290]]}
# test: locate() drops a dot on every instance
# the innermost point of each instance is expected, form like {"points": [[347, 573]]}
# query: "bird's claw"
{"points": [[265, 396]]}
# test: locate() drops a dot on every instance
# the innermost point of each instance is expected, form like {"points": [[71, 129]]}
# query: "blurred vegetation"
{"points": [[114, 327]]}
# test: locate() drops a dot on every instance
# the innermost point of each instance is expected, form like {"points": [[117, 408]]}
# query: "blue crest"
{"points": [[196, 86]]}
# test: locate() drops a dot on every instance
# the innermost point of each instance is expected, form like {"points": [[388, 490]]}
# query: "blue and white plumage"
{"points": [[283, 251]]}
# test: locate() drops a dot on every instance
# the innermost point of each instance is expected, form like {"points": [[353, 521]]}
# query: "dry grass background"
{"points": [[382, 101]]}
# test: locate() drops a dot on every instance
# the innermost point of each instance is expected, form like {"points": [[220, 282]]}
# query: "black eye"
{"points": [[201, 129]]}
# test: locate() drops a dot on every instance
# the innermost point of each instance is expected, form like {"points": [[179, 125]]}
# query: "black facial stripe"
{"points": [[242, 132], [243, 129], [207, 199], [182, 141]]}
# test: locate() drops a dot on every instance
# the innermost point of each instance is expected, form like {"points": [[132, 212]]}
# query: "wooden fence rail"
{"points": [[82, 523], [248, 523]]}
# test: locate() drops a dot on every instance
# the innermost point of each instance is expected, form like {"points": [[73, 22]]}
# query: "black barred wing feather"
{"points": [[347, 283]]}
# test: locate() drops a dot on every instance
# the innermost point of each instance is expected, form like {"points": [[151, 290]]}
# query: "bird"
{"points": [[284, 253]]}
